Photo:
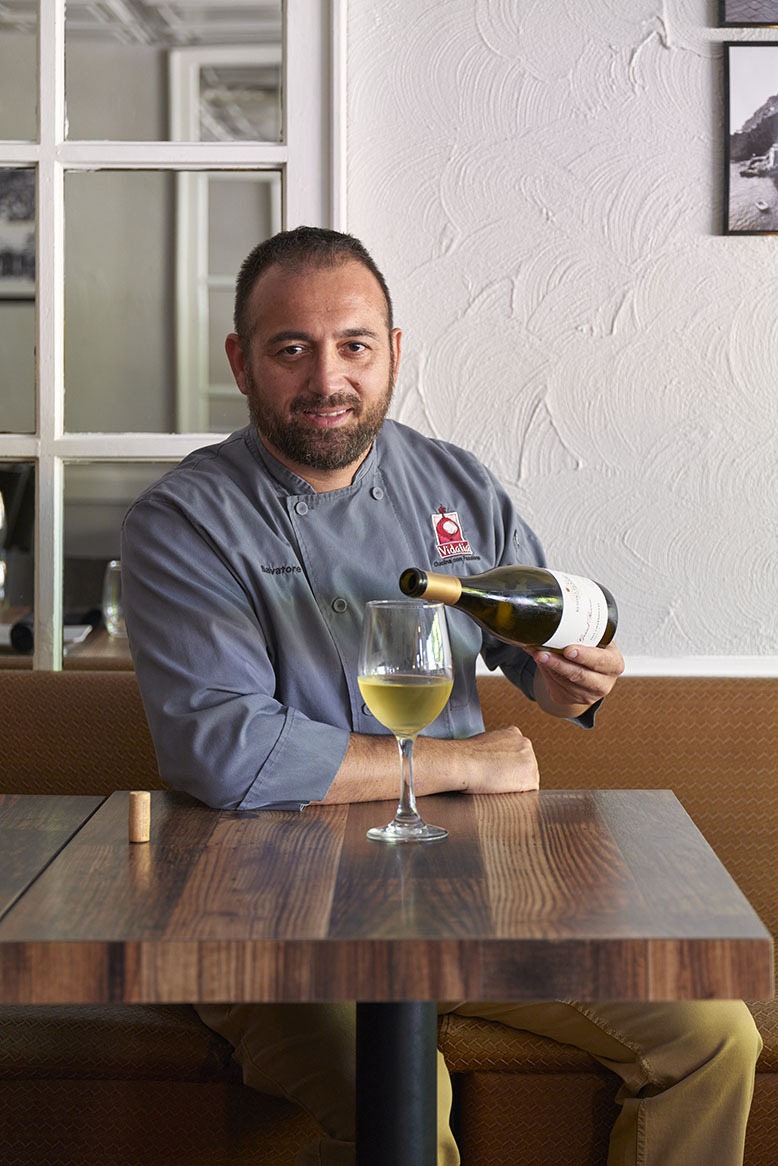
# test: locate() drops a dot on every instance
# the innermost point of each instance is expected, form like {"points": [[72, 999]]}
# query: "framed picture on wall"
{"points": [[17, 234], [751, 153], [748, 13]]}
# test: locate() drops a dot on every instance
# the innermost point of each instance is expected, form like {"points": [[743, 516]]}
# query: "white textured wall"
{"points": [[541, 181]]}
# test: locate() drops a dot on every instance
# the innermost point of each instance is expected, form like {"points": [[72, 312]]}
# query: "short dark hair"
{"points": [[297, 249]]}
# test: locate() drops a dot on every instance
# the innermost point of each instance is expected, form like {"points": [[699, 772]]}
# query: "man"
{"points": [[246, 573]]}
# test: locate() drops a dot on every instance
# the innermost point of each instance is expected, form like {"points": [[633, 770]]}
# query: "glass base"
{"points": [[407, 832]]}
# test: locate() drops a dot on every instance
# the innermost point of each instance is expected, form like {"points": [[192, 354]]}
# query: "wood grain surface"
{"points": [[32, 832], [583, 894]]}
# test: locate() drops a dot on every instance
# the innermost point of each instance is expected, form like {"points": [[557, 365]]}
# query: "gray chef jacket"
{"points": [[244, 592]]}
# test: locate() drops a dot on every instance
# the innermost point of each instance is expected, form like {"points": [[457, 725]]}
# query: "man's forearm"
{"points": [[501, 761]]}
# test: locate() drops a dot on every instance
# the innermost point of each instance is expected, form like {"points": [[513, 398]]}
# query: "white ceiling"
{"points": [[157, 22]]}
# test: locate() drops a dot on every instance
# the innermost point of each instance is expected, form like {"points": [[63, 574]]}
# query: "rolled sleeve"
{"points": [[301, 766]]}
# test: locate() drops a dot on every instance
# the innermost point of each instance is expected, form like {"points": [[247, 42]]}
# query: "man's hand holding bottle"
{"points": [[569, 682]]}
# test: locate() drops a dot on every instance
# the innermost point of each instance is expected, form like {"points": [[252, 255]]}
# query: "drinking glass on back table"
{"points": [[405, 677], [113, 607]]}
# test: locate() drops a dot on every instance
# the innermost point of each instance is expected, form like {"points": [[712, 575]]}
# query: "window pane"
{"points": [[242, 209], [119, 310], [240, 103], [219, 324], [96, 498], [17, 300], [17, 541], [222, 59], [226, 414], [18, 70], [147, 308]]}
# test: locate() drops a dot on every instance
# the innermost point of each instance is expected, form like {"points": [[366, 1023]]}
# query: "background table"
{"points": [[98, 650]]}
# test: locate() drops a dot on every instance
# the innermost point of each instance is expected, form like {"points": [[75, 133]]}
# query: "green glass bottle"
{"points": [[528, 606]]}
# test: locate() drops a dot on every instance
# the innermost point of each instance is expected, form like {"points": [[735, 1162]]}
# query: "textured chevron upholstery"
{"points": [[73, 733], [138, 1085], [525, 1101]]}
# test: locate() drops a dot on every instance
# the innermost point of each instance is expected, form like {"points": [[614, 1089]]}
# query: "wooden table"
{"points": [[609, 894]]}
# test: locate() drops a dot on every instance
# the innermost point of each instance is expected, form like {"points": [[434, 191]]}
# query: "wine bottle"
{"points": [[528, 606]]}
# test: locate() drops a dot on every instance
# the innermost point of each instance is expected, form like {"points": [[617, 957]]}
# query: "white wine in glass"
{"points": [[405, 676]]}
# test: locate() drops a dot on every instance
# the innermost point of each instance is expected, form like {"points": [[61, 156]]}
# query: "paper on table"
{"points": [[76, 634]]}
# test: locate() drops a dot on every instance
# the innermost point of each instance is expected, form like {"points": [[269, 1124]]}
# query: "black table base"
{"points": [[397, 1084]]}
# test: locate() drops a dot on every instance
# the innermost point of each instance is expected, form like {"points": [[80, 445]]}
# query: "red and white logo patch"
{"points": [[449, 538]]}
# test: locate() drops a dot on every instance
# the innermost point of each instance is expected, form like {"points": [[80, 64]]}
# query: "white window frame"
{"points": [[195, 390], [311, 159]]}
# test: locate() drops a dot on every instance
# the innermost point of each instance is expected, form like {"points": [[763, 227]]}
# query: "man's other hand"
{"points": [[568, 683]]}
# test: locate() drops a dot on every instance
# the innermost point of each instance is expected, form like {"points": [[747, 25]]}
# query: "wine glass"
{"points": [[405, 677]]}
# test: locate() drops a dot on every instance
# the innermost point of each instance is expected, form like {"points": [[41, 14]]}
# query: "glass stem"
{"points": [[406, 807]]}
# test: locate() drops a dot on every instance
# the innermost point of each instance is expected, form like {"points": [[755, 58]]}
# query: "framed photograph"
{"points": [[751, 154], [17, 234], [748, 13]]}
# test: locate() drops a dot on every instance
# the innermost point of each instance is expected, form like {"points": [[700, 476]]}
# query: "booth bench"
{"points": [[140, 1085]]}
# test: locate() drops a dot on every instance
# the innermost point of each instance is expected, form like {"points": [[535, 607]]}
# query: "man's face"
{"points": [[319, 369]]}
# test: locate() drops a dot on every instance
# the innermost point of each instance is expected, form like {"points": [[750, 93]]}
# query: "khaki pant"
{"points": [[687, 1071]]}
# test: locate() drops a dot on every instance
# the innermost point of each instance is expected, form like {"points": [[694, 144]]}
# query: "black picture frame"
{"points": [[751, 138], [17, 233], [748, 13]]}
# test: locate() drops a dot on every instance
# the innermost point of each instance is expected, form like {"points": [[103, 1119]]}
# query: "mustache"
{"points": [[335, 401]]}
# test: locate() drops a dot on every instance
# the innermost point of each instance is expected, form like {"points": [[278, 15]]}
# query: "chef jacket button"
{"points": [[339, 605], [366, 711], [377, 493], [301, 507]]}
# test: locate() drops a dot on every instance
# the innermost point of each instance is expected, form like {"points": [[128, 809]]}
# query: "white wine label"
{"points": [[584, 612]]}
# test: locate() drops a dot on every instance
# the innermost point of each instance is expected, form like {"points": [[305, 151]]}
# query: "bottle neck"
{"points": [[442, 588]]}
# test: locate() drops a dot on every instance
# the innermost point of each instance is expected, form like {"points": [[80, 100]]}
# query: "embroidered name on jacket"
{"points": [[287, 569], [449, 537]]}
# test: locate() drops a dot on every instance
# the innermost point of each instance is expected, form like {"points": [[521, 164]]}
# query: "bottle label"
{"points": [[584, 612]]}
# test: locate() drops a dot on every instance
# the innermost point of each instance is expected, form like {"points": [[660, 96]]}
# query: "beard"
{"points": [[319, 449]]}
